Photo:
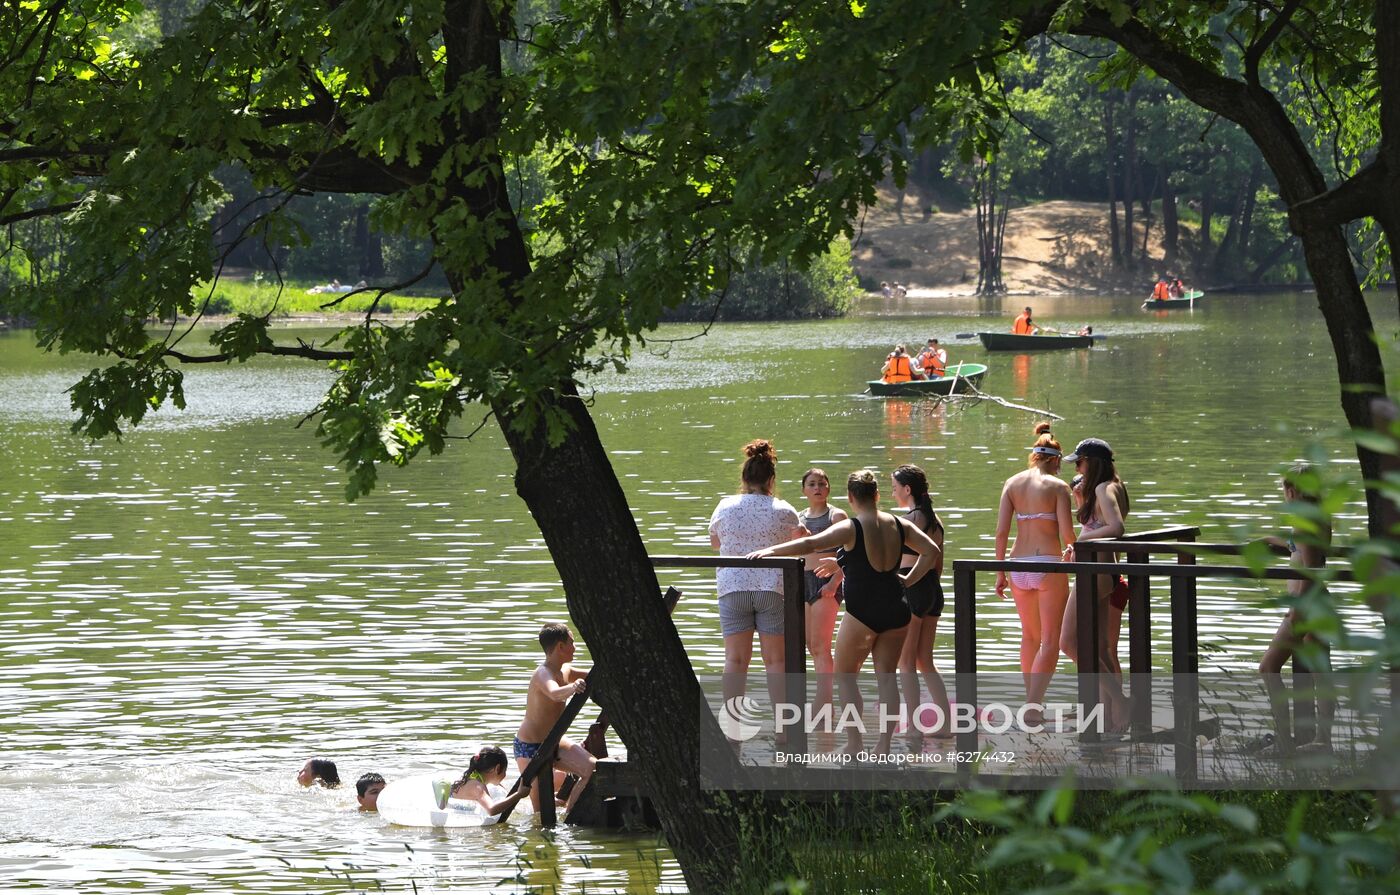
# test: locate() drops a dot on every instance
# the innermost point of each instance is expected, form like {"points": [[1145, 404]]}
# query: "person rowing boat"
{"points": [[933, 360], [1024, 325]]}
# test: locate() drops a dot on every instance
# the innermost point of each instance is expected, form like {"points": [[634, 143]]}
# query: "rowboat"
{"points": [[1187, 300], [1043, 342], [960, 377]]}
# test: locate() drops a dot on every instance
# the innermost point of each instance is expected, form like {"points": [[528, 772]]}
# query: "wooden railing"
{"points": [[1185, 664], [794, 616]]}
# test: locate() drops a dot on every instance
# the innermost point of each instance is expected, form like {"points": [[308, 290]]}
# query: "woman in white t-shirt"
{"points": [[752, 599]]}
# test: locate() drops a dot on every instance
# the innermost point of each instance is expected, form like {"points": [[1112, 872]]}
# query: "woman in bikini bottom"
{"points": [[1031, 580], [1038, 501]]}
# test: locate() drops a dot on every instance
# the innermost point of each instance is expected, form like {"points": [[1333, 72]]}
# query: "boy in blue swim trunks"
{"points": [[553, 684]]}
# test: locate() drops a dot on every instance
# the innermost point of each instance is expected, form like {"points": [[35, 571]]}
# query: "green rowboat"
{"points": [[1043, 342], [959, 378]]}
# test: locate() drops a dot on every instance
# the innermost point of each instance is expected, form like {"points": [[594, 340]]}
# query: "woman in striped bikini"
{"points": [[1044, 528]]}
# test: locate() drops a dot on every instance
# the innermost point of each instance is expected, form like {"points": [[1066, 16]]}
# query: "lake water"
{"points": [[188, 614]]}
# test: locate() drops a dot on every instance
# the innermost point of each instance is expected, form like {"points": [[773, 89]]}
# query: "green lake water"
{"points": [[188, 614]]}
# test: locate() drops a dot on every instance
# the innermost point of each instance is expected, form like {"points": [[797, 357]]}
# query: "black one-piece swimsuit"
{"points": [[925, 599], [875, 598]]}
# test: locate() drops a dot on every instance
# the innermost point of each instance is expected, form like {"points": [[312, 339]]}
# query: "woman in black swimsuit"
{"points": [[876, 615]]}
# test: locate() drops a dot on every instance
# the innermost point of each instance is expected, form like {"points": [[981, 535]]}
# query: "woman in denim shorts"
{"points": [[752, 599]]}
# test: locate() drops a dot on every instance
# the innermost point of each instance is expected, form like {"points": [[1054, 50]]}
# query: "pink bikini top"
{"points": [[1022, 517]]}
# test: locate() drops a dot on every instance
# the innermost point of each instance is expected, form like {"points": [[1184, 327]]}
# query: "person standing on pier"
{"points": [[1039, 501], [752, 599], [823, 594], [1306, 550], [1102, 513], [909, 484], [876, 614]]}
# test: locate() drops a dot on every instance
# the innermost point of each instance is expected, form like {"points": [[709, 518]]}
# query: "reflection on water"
{"points": [[190, 613]]}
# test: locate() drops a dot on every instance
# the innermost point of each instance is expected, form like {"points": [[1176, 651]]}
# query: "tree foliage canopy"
{"points": [[675, 140]]}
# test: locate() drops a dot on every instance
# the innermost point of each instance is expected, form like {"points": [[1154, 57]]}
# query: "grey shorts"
{"points": [[747, 610]]}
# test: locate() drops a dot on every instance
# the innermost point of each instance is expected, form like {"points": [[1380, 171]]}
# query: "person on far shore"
{"points": [[487, 768], [1039, 501], [319, 770], [909, 485], [1102, 513], [1306, 551], [1024, 325], [552, 685], [752, 599], [876, 614], [823, 594], [367, 790]]}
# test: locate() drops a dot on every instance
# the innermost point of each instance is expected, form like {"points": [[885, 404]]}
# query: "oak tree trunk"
{"points": [[644, 678], [645, 681]]}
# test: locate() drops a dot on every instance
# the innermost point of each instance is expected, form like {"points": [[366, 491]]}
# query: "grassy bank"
{"points": [[1064, 841], [262, 297]]}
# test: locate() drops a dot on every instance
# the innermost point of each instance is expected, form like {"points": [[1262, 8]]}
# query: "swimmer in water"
{"points": [[486, 768], [319, 770], [367, 790]]}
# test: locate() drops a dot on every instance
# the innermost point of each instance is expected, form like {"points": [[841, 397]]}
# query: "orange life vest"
{"points": [[1022, 326], [1160, 292], [897, 369], [933, 367]]}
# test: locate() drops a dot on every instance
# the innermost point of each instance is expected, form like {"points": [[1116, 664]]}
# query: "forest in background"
{"points": [[1075, 122]]}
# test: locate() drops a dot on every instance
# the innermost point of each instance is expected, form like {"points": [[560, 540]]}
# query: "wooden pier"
{"points": [[1174, 740]]}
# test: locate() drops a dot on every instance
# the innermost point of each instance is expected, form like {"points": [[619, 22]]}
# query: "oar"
{"points": [[953, 389], [965, 336]]}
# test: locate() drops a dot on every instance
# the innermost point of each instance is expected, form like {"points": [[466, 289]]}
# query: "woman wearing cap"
{"points": [[1101, 513], [1040, 503]]}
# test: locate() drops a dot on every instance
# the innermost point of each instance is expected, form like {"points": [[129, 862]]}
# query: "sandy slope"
{"points": [[1059, 246]]}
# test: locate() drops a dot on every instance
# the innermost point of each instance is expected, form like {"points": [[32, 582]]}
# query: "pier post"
{"points": [[1185, 665], [1140, 647], [965, 655], [544, 788], [794, 649], [1087, 630]]}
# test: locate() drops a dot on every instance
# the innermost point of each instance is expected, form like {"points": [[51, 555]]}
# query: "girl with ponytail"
{"points": [[487, 767], [1039, 502], [909, 484]]}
